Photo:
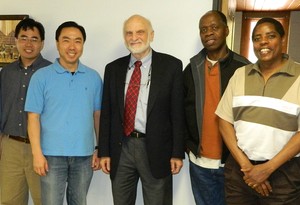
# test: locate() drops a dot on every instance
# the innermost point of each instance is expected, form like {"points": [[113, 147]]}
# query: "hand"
{"points": [[176, 165], [264, 188], [256, 174], [40, 165], [96, 161], [105, 164]]}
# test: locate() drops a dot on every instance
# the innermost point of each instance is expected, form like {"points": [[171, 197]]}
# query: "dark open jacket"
{"points": [[194, 94]]}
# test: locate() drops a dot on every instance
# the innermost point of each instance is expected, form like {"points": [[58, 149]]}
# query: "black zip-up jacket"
{"points": [[194, 94]]}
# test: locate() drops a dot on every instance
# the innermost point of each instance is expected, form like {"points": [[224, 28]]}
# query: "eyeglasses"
{"points": [[25, 39]]}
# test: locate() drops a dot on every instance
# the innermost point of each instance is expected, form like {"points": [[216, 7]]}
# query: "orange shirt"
{"points": [[211, 141]]}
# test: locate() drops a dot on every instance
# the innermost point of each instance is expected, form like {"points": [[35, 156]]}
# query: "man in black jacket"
{"points": [[153, 150], [205, 79]]}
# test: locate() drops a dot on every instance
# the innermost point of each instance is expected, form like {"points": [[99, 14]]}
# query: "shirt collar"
{"points": [[213, 62], [35, 63], [146, 61], [286, 68], [60, 69]]}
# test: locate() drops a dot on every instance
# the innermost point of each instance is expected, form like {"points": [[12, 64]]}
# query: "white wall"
{"points": [[175, 23]]}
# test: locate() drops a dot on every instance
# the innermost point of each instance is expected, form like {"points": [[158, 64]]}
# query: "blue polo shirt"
{"points": [[66, 104]]}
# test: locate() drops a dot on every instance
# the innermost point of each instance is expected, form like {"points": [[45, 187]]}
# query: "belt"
{"points": [[255, 162], [20, 139], [136, 134]]}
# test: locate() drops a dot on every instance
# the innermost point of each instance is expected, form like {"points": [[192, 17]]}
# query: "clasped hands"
{"points": [[256, 177]]}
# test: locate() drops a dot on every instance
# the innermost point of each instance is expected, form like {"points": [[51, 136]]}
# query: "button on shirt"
{"points": [[141, 110], [14, 83]]}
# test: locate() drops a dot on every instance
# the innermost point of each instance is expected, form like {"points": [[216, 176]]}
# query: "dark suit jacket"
{"points": [[164, 129]]}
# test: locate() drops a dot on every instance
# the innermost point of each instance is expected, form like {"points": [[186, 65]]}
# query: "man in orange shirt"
{"points": [[205, 79]]}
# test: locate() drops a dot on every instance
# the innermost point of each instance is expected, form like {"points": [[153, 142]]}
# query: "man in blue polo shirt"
{"points": [[63, 105]]}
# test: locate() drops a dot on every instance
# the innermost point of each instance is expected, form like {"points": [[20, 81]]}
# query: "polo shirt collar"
{"points": [[286, 67], [60, 69]]}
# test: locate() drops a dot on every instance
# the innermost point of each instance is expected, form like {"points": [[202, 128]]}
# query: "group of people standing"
{"points": [[238, 122]]}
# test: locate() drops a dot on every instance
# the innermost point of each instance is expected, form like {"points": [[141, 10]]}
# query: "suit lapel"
{"points": [[156, 79], [121, 77]]}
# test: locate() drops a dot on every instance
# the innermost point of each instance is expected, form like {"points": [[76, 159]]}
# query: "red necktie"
{"points": [[132, 95]]}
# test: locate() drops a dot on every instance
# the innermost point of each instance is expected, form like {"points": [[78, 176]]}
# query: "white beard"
{"points": [[140, 49]]}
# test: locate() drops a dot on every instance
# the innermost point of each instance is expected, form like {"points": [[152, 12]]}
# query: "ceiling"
{"points": [[267, 5]]}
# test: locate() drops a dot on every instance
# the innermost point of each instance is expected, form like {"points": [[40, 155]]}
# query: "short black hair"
{"points": [[29, 23], [70, 24], [278, 26], [218, 13], [221, 15]]}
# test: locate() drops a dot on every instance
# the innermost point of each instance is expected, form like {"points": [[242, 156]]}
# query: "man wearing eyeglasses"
{"points": [[17, 175]]}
